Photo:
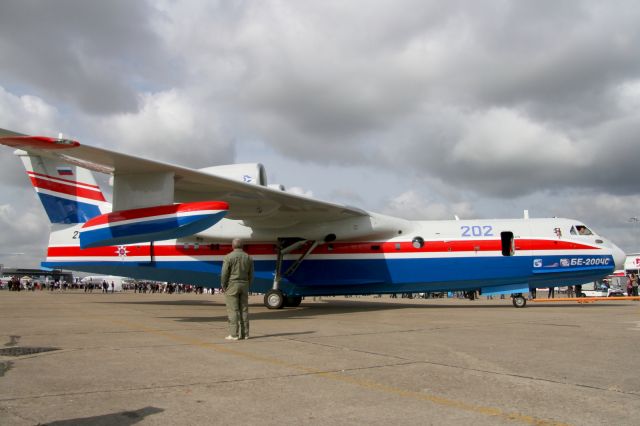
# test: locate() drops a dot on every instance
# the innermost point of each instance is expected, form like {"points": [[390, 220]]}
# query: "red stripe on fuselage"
{"points": [[67, 189], [449, 246], [537, 245], [336, 248]]}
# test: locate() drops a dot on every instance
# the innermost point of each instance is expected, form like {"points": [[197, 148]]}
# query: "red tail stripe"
{"points": [[72, 182], [67, 189]]}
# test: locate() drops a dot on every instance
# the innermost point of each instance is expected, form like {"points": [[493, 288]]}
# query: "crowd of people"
{"points": [[15, 284], [105, 287], [152, 287], [169, 288]]}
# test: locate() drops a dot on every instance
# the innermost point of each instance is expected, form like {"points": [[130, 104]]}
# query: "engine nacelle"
{"points": [[253, 173]]}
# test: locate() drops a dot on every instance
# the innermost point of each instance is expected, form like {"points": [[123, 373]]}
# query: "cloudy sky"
{"points": [[421, 109]]}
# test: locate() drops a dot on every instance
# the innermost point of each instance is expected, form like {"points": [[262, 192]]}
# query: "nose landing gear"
{"points": [[518, 300]]}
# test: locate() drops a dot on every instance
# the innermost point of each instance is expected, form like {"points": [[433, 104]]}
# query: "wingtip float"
{"points": [[151, 223]]}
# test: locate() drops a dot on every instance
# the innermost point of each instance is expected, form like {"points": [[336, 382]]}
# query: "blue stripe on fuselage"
{"points": [[363, 276]]}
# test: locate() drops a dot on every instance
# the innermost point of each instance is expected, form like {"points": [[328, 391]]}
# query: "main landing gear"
{"points": [[275, 298], [518, 300]]}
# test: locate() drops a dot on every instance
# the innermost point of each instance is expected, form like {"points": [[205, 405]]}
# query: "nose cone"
{"points": [[619, 256]]}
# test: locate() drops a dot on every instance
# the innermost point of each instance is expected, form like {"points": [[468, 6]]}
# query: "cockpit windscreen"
{"points": [[580, 230]]}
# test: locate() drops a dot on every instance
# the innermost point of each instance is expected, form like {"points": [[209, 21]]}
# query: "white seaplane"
{"points": [[172, 223]]}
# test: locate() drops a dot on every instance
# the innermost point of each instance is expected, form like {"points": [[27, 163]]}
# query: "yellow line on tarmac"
{"points": [[587, 299], [452, 403]]}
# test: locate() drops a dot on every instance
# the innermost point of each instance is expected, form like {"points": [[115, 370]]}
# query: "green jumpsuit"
{"points": [[236, 277]]}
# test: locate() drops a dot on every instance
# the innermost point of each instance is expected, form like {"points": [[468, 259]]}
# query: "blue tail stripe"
{"points": [[61, 210]]}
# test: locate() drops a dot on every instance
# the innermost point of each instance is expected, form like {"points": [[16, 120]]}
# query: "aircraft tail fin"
{"points": [[69, 193]]}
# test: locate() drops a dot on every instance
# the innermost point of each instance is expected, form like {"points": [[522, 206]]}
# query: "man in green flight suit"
{"points": [[236, 277]]}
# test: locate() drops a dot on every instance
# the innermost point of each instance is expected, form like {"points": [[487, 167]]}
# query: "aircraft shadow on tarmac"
{"points": [[123, 418], [168, 302], [259, 312], [331, 307]]}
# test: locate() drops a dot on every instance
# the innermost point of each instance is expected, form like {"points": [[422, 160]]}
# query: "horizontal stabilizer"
{"points": [[151, 223]]}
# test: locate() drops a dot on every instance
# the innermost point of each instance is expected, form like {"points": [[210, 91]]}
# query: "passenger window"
{"points": [[508, 243]]}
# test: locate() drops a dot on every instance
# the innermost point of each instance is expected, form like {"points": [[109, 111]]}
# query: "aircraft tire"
{"points": [[274, 299], [519, 301], [292, 301]]}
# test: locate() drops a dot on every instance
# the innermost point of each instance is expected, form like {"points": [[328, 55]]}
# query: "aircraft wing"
{"points": [[258, 206]]}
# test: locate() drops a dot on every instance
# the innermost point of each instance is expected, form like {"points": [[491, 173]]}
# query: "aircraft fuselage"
{"points": [[496, 256]]}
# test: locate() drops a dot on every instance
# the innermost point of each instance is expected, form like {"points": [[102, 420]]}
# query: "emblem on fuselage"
{"points": [[122, 252]]}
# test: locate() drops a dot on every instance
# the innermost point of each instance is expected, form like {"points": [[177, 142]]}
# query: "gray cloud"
{"points": [[24, 228], [90, 55], [518, 103], [421, 89]]}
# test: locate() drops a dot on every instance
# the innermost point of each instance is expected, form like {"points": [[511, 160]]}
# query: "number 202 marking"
{"points": [[477, 231]]}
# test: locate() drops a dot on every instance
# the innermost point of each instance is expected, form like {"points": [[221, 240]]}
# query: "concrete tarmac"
{"points": [[124, 359]]}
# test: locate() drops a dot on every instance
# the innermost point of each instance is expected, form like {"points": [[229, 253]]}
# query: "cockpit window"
{"points": [[580, 230]]}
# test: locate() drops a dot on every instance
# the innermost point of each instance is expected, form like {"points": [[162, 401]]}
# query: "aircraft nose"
{"points": [[619, 256]]}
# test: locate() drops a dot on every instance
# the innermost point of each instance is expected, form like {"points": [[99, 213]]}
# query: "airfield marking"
{"points": [[587, 299], [367, 384]]}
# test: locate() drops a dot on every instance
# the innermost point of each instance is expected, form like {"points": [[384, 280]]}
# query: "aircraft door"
{"points": [[508, 243]]}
